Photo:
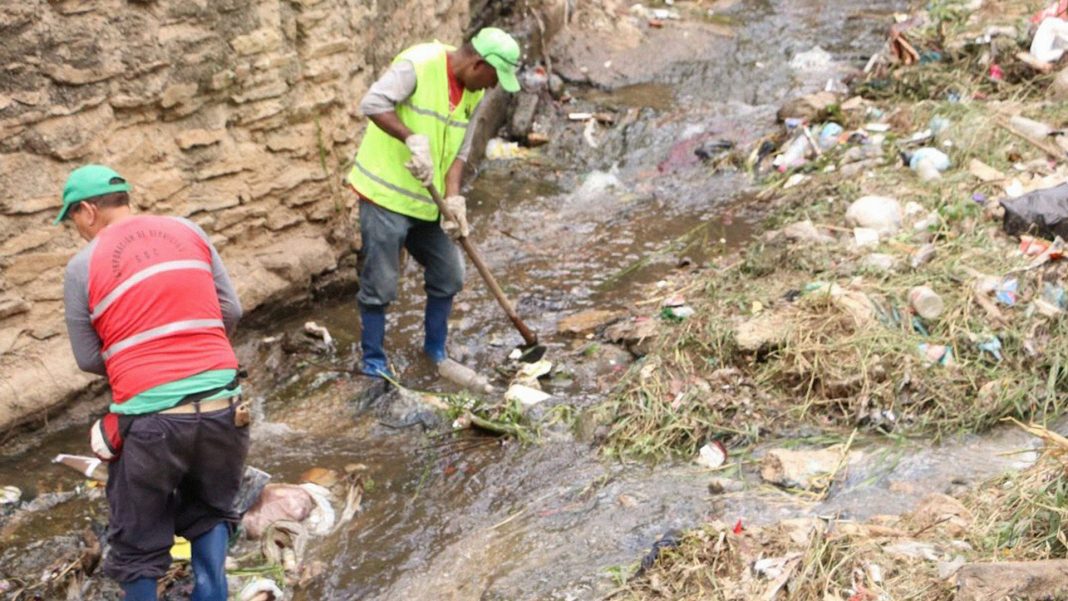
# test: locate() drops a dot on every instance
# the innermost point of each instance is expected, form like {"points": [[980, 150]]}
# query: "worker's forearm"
{"points": [[391, 124], [454, 178]]}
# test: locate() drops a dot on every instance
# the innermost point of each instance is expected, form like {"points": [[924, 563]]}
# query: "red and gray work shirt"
{"points": [[148, 302]]}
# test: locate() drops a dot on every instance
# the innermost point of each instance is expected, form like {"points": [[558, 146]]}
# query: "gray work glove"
{"points": [[456, 207], [421, 166]]}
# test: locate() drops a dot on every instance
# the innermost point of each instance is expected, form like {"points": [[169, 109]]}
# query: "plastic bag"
{"points": [[1042, 213]]}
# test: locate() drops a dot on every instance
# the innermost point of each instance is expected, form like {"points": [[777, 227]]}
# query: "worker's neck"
{"points": [[458, 65], [111, 215]]}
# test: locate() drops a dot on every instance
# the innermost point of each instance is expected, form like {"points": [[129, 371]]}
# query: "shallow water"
{"points": [[571, 228]]}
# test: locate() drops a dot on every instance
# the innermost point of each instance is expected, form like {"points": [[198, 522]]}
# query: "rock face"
{"points": [[239, 114]]}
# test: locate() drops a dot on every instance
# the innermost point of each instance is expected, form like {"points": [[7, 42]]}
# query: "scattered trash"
{"points": [[877, 127], [992, 345], [670, 540], [90, 467], [525, 395], [1031, 246], [9, 495], [598, 182], [317, 331], [984, 172], [795, 180], [182, 550], [279, 502], [321, 518], [1042, 212], [876, 212], [929, 163], [793, 155], [996, 72], [677, 313], [530, 372], [926, 302], [1006, 290], [464, 376], [923, 255], [880, 262], [1050, 40], [712, 455], [589, 132], [498, 149], [713, 148], [936, 354], [829, 135], [864, 237], [260, 589], [1054, 295]]}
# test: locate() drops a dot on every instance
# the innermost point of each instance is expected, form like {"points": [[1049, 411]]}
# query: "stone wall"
{"points": [[239, 114]]}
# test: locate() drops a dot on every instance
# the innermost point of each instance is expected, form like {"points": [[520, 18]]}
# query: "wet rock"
{"points": [[588, 321], [802, 231], [762, 332], [526, 108], [879, 213], [1024, 580], [636, 334], [810, 107], [804, 469], [944, 513]]}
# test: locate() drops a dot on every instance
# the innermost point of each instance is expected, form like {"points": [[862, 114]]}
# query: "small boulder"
{"points": [[767, 330], [802, 468], [810, 107], [588, 321]]}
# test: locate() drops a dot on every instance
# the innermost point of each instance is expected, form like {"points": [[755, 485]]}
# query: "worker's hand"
{"points": [[456, 227], [420, 165]]}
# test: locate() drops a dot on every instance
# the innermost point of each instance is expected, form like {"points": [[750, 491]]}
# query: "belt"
{"points": [[200, 406]]}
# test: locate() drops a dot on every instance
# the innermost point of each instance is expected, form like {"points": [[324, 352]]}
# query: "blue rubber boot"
{"points": [[372, 341], [209, 564], [436, 326], [142, 589]]}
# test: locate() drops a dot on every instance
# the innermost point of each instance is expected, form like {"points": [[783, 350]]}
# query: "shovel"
{"points": [[532, 351]]}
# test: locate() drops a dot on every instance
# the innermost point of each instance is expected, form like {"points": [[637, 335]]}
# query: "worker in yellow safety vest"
{"points": [[419, 111]]}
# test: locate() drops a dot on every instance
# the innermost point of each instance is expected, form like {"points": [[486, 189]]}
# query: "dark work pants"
{"points": [[384, 233], [176, 474]]}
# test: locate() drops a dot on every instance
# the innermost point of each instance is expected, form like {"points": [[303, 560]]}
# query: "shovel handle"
{"points": [[469, 247]]}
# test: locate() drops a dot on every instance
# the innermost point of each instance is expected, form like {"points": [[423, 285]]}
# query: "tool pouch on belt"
{"points": [[107, 433]]}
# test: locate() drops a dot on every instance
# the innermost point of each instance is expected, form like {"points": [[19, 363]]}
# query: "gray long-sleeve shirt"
{"points": [[84, 340], [395, 86]]}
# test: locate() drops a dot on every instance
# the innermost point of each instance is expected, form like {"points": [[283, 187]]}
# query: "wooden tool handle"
{"points": [[469, 247]]}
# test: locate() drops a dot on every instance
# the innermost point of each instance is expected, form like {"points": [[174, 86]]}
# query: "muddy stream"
{"points": [[570, 228]]}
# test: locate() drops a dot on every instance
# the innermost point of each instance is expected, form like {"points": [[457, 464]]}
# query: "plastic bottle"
{"points": [[793, 155], [926, 302], [1030, 128]]}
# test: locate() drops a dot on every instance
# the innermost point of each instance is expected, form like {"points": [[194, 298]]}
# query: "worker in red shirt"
{"points": [[149, 305]]}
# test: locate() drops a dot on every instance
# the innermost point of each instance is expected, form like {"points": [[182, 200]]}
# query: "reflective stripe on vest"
{"points": [[159, 332], [379, 172], [141, 276]]}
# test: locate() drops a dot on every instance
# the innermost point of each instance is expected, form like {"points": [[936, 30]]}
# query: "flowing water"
{"points": [[572, 228]]}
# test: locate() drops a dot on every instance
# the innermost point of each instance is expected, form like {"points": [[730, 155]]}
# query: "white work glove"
{"points": [[421, 166], [457, 227]]}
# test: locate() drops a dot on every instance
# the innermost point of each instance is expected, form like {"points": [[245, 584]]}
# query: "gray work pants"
{"points": [[384, 233]]}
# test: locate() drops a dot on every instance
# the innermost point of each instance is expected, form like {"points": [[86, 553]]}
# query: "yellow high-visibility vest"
{"points": [[379, 172]]}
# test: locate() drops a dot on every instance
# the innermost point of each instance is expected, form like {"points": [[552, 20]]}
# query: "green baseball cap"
{"points": [[88, 181], [502, 51]]}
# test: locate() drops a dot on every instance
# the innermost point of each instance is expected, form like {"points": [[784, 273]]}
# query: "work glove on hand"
{"points": [[456, 227], [421, 166]]}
